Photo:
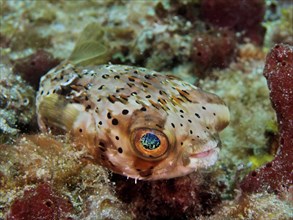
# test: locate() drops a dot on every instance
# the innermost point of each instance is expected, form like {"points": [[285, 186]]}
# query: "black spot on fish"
{"points": [[130, 85], [102, 149], [115, 121], [88, 107], [101, 87], [197, 115], [111, 98], [102, 144], [131, 79], [125, 111], [185, 92]]}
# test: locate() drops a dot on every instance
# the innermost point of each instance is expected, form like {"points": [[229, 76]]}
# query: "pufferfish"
{"points": [[134, 121]]}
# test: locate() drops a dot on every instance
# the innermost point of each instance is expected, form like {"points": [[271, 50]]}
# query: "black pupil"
{"points": [[150, 141]]}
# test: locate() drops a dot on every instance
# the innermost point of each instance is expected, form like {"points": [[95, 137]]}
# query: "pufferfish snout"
{"points": [[134, 121]]}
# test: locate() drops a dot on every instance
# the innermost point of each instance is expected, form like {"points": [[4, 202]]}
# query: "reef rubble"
{"points": [[47, 176]]}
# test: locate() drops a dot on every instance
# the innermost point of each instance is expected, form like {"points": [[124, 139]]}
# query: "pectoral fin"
{"points": [[55, 111]]}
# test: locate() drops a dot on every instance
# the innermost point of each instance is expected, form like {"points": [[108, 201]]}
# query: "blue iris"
{"points": [[150, 141]]}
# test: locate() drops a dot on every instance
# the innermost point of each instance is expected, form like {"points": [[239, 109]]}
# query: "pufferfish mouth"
{"points": [[203, 154]]}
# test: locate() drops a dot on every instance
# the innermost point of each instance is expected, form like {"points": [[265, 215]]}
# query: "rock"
{"points": [[40, 203], [277, 175], [239, 15]]}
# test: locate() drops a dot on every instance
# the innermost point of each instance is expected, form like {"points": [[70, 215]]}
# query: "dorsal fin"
{"points": [[90, 48]]}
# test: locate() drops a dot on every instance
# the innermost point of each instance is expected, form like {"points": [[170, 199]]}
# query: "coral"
{"points": [[283, 28], [250, 52], [255, 206], [31, 68], [240, 16], [95, 197], [35, 159], [179, 198], [158, 35], [17, 104], [40, 203], [245, 137], [163, 45], [215, 48], [48, 160], [187, 9], [277, 175]]}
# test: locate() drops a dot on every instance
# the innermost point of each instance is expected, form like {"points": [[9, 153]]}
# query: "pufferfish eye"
{"points": [[150, 143]]}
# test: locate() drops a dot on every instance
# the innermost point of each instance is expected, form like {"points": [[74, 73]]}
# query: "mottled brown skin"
{"points": [[277, 175]]}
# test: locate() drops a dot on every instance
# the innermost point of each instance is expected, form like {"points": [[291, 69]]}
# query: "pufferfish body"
{"points": [[134, 121]]}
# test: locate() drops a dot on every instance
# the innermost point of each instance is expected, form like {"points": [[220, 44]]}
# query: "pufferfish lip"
{"points": [[203, 154]]}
